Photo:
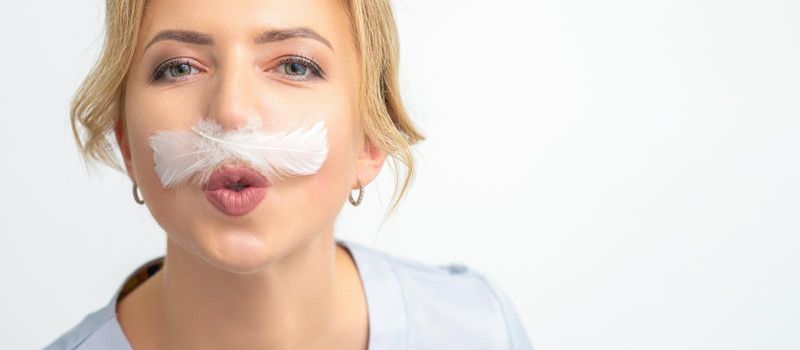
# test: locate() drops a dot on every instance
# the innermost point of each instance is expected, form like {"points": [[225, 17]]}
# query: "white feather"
{"points": [[180, 154]]}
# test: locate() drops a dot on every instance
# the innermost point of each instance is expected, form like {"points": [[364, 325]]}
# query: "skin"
{"points": [[273, 278]]}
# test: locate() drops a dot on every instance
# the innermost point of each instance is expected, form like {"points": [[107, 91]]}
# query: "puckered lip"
{"points": [[230, 175]]}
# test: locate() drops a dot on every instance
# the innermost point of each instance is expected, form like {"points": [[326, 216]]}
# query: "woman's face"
{"points": [[282, 61]]}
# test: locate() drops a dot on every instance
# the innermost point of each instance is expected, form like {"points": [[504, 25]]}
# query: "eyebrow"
{"points": [[272, 35]]}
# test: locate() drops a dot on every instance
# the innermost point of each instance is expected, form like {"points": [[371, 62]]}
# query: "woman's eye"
{"points": [[295, 69], [174, 70], [299, 68]]}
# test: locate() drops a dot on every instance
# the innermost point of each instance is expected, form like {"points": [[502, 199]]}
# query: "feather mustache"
{"points": [[193, 155]]}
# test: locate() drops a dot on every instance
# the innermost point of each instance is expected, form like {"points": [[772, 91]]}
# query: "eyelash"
{"points": [[316, 70], [158, 74]]}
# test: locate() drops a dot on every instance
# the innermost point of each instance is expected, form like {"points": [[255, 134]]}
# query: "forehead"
{"points": [[242, 20]]}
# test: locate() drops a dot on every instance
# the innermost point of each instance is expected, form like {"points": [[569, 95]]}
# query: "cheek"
{"points": [[325, 192], [148, 112], [145, 115]]}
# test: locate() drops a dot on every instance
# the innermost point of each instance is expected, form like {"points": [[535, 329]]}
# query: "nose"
{"points": [[236, 96]]}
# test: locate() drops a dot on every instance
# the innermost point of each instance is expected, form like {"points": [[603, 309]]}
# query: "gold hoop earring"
{"points": [[136, 195], [356, 202]]}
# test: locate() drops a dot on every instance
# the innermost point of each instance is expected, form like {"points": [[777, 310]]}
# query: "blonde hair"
{"points": [[98, 102]]}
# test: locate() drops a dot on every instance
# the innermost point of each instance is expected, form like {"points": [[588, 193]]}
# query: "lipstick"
{"points": [[236, 190]]}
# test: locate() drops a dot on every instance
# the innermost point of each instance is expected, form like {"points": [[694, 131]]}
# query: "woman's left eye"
{"points": [[299, 68], [174, 69]]}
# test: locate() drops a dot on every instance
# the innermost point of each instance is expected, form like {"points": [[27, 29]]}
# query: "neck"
{"points": [[305, 299]]}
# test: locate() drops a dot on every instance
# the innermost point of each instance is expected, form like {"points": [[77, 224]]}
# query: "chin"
{"points": [[238, 251], [241, 253]]}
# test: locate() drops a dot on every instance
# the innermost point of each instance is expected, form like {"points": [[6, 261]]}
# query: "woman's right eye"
{"points": [[174, 69]]}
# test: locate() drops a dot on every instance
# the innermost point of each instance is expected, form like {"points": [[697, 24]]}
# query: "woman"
{"points": [[210, 103]]}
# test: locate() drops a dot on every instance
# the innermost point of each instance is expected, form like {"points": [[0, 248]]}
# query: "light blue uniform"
{"points": [[411, 305]]}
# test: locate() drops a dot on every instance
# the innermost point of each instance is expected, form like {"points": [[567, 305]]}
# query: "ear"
{"points": [[122, 141], [369, 163]]}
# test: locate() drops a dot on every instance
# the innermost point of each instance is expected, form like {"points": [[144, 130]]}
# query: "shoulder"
{"points": [[97, 330], [100, 329], [450, 303]]}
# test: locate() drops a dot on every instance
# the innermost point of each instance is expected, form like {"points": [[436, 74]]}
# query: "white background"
{"points": [[627, 170]]}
